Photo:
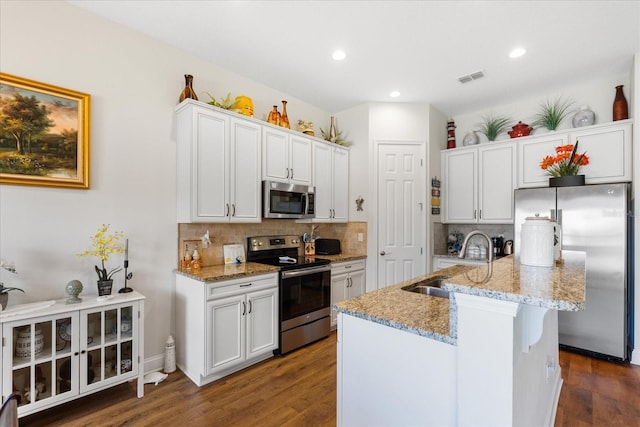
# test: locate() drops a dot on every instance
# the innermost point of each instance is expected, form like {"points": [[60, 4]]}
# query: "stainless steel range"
{"points": [[305, 289]]}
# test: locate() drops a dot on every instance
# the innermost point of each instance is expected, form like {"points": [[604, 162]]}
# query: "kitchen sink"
{"points": [[431, 286]]}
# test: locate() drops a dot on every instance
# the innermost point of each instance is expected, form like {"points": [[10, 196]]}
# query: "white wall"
{"points": [[134, 83], [598, 94]]}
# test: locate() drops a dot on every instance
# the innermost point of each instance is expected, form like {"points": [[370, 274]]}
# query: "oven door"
{"points": [[305, 295]]}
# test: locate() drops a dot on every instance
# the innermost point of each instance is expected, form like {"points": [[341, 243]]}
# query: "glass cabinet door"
{"points": [[39, 359], [110, 350]]}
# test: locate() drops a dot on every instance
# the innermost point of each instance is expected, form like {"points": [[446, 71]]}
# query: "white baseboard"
{"points": [[154, 363], [635, 356]]}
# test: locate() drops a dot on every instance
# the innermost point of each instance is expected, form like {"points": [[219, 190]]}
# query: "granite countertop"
{"points": [[342, 257], [233, 271], [560, 288], [226, 272]]}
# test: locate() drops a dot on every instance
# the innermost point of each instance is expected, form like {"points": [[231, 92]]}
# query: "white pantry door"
{"points": [[401, 212]]}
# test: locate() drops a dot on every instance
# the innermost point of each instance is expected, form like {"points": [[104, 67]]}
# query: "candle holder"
{"points": [[127, 276]]}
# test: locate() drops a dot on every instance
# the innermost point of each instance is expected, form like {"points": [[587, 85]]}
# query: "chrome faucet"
{"points": [[463, 250]]}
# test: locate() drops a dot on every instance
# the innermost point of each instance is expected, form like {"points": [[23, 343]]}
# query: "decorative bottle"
{"points": [[284, 119], [197, 261], [620, 107], [333, 132], [188, 91], [274, 116]]}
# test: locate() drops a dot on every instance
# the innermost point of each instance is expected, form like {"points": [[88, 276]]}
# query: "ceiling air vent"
{"points": [[470, 77]]}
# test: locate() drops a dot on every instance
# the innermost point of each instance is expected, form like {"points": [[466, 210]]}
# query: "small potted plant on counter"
{"points": [[4, 290]]}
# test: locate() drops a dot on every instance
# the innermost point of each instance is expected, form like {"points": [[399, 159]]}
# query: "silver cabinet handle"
{"points": [[227, 214], [234, 209], [287, 173], [244, 308], [474, 214], [291, 173], [250, 307], [480, 213]]}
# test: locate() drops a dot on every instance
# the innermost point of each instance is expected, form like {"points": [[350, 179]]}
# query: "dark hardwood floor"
{"points": [[300, 390]]}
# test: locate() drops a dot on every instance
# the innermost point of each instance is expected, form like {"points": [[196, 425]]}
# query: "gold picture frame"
{"points": [[44, 134]]}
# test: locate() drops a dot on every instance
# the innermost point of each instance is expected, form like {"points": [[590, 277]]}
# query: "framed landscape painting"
{"points": [[44, 134]]}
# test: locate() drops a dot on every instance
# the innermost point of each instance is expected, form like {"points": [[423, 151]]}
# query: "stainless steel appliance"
{"points": [[282, 200], [305, 289], [595, 219]]}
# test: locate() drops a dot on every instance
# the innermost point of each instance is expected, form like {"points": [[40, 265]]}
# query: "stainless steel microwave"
{"points": [[282, 200]]}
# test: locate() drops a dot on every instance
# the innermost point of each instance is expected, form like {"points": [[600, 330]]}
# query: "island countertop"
{"points": [[561, 288]]}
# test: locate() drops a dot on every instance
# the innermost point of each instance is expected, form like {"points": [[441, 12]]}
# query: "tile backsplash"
{"points": [[224, 234], [441, 233]]}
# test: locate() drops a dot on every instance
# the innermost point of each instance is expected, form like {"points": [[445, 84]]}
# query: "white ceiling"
{"points": [[419, 48]]}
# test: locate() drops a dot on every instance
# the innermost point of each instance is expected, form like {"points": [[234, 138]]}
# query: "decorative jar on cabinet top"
{"points": [[583, 117], [471, 138], [520, 129]]}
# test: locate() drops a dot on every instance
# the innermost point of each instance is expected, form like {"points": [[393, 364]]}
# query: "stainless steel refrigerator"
{"points": [[594, 219]]}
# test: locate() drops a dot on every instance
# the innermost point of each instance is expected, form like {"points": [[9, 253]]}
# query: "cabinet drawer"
{"points": [[346, 267], [246, 284]]}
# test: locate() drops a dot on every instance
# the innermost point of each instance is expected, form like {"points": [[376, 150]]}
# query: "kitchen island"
{"points": [[488, 355]]}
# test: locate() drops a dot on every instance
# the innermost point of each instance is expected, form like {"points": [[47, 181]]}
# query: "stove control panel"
{"points": [[263, 243]]}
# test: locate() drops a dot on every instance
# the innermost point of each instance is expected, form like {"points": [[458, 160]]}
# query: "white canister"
{"points": [[537, 242]]}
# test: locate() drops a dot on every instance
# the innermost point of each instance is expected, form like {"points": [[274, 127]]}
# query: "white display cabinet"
{"points": [[53, 352]]}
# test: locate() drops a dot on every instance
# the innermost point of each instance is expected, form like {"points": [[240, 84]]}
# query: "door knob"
{"points": [[383, 253]]}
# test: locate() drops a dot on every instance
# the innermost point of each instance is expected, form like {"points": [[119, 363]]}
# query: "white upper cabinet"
{"points": [[478, 184], [608, 147], [287, 157], [218, 161], [331, 178]]}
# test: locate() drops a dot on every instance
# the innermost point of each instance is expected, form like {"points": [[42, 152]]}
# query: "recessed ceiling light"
{"points": [[338, 55], [394, 94], [517, 52]]}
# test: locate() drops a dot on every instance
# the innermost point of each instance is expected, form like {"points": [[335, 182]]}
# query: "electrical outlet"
{"points": [[360, 237]]}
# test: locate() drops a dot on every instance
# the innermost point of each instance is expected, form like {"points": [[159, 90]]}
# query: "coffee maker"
{"points": [[498, 242]]}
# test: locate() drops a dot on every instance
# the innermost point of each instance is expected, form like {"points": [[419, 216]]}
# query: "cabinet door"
{"points": [[246, 160], [225, 333], [338, 293], [211, 166], [323, 181], [108, 345], [300, 160], [275, 155], [356, 285], [530, 154], [42, 367], [497, 181], [609, 152], [262, 322], [459, 169], [340, 185]]}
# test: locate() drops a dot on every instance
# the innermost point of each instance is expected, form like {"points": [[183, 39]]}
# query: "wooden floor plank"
{"points": [[299, 389]]}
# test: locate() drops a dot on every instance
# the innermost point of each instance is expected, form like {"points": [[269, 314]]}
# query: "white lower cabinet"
{"points": [[347, 281], [77, 349], [222, 327]]}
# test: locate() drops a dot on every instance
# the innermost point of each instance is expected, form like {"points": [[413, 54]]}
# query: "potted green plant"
{"points": [[493, 125], [4, 290], [552, 113], [104, 245]]}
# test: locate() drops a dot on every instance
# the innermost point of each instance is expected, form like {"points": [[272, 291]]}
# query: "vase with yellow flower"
{"points": [[564, 166], [103, 245]]}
